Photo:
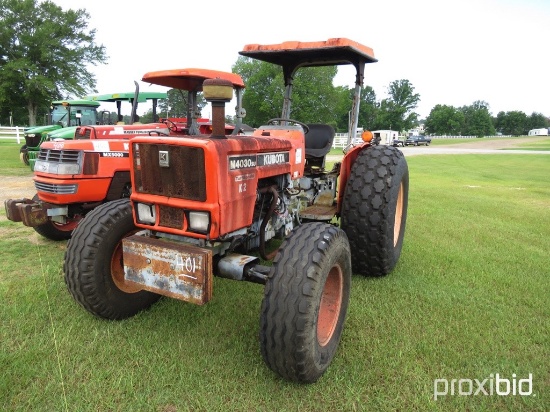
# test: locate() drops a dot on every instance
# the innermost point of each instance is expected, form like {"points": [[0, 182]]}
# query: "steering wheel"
{"points": [[173, 127], [280, 119]]}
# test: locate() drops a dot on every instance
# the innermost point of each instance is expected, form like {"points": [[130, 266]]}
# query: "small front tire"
{"points": [[93, 267], [24, 155], [56, 231], [305, 302]]}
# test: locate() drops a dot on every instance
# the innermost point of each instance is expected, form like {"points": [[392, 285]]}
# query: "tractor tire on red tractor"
{"points": [[93, 267], [305, 302], [55, 231], [374, 209]]}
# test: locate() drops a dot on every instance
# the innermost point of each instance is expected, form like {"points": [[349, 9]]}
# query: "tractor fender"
{"points": [[345, 171], [120, 180]]}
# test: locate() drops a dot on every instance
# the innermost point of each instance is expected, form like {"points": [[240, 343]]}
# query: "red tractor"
{"points": [[74, 176], [208, 205]]}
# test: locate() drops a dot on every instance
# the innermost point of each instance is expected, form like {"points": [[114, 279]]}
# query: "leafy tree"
{"points": [[368, 109], [397, 111], [314, 97], [537, 121], [263, 96], [44, 52], [477, 120], [513, 123], [176, 104], [445, 120], [147, 117]]}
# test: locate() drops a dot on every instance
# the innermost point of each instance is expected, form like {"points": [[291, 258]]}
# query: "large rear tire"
{"points": [[374, 209], [305, 302], [94, 271]]}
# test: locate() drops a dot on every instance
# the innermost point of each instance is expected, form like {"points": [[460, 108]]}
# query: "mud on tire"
{"points": [[305, 302], [93, 267], [374, 209]]}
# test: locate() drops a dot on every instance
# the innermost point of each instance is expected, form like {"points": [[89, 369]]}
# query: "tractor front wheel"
{"points": [[24, 155], [305, 302], [56, 231], [94, 271]]}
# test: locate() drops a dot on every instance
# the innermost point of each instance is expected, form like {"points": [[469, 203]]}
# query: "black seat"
{"points": [[319, 140]]}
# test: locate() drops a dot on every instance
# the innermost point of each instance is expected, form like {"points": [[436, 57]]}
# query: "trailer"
{"points": [[386, 136], [538, 132]]}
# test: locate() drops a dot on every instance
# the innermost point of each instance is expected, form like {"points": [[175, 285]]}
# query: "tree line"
{"points": [[475, 120], [45, 53]]}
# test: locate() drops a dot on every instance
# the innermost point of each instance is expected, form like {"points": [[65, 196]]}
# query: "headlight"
{"points": [[146, 213], [199, 221], [57, 168], [30, 135], [68, 169]]}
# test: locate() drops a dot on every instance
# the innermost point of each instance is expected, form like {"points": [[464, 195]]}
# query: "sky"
{"points": [[452, 52]]}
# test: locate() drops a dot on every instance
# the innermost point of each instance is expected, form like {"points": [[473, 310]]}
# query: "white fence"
{"points": [[341, 139], [12, 133]]}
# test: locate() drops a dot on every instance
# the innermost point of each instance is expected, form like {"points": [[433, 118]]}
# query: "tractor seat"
{"points": [[319, 140]]}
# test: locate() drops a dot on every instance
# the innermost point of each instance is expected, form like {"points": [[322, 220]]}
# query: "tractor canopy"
{"points": [[190, 79], [292, 55]]}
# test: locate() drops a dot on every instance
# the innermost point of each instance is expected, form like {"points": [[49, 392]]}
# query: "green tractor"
{"points": [[81, 114], [63, 114]]}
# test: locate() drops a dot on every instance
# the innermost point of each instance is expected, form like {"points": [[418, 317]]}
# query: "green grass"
{"points": [[446, 142], [468, 298], [542, 143], [10, 164]]}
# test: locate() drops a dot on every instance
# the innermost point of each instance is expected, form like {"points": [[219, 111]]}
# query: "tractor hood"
{"points": [[63, 133], [42, 129]]}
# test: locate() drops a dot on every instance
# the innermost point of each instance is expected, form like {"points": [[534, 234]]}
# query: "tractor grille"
{"points": [[170, 217], [173, 171], [56, 189], [59, 156], [33, 141]]}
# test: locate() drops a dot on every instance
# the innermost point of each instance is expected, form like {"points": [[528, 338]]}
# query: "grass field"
{"points": [[10, 165], [542, 144], [468, 299]]}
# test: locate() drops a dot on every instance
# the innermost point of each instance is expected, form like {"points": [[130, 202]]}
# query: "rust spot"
{"points": [[169, 268]]}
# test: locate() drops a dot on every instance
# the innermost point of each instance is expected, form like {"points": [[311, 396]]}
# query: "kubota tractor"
{"points": [[74, 176], [201, 206]]}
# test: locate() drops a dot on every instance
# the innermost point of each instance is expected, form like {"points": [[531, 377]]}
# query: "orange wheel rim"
{"points": [[398, 216], [117, 271], [330, 306], [67, 227]]}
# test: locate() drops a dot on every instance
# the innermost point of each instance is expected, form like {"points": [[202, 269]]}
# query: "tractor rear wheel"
{"points": [[93, 266], [305, 302], [374, 209], [56, 231]]}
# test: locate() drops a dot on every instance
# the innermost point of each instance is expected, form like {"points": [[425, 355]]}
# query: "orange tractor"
{"points": [[74, 176], [209, 205]]}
